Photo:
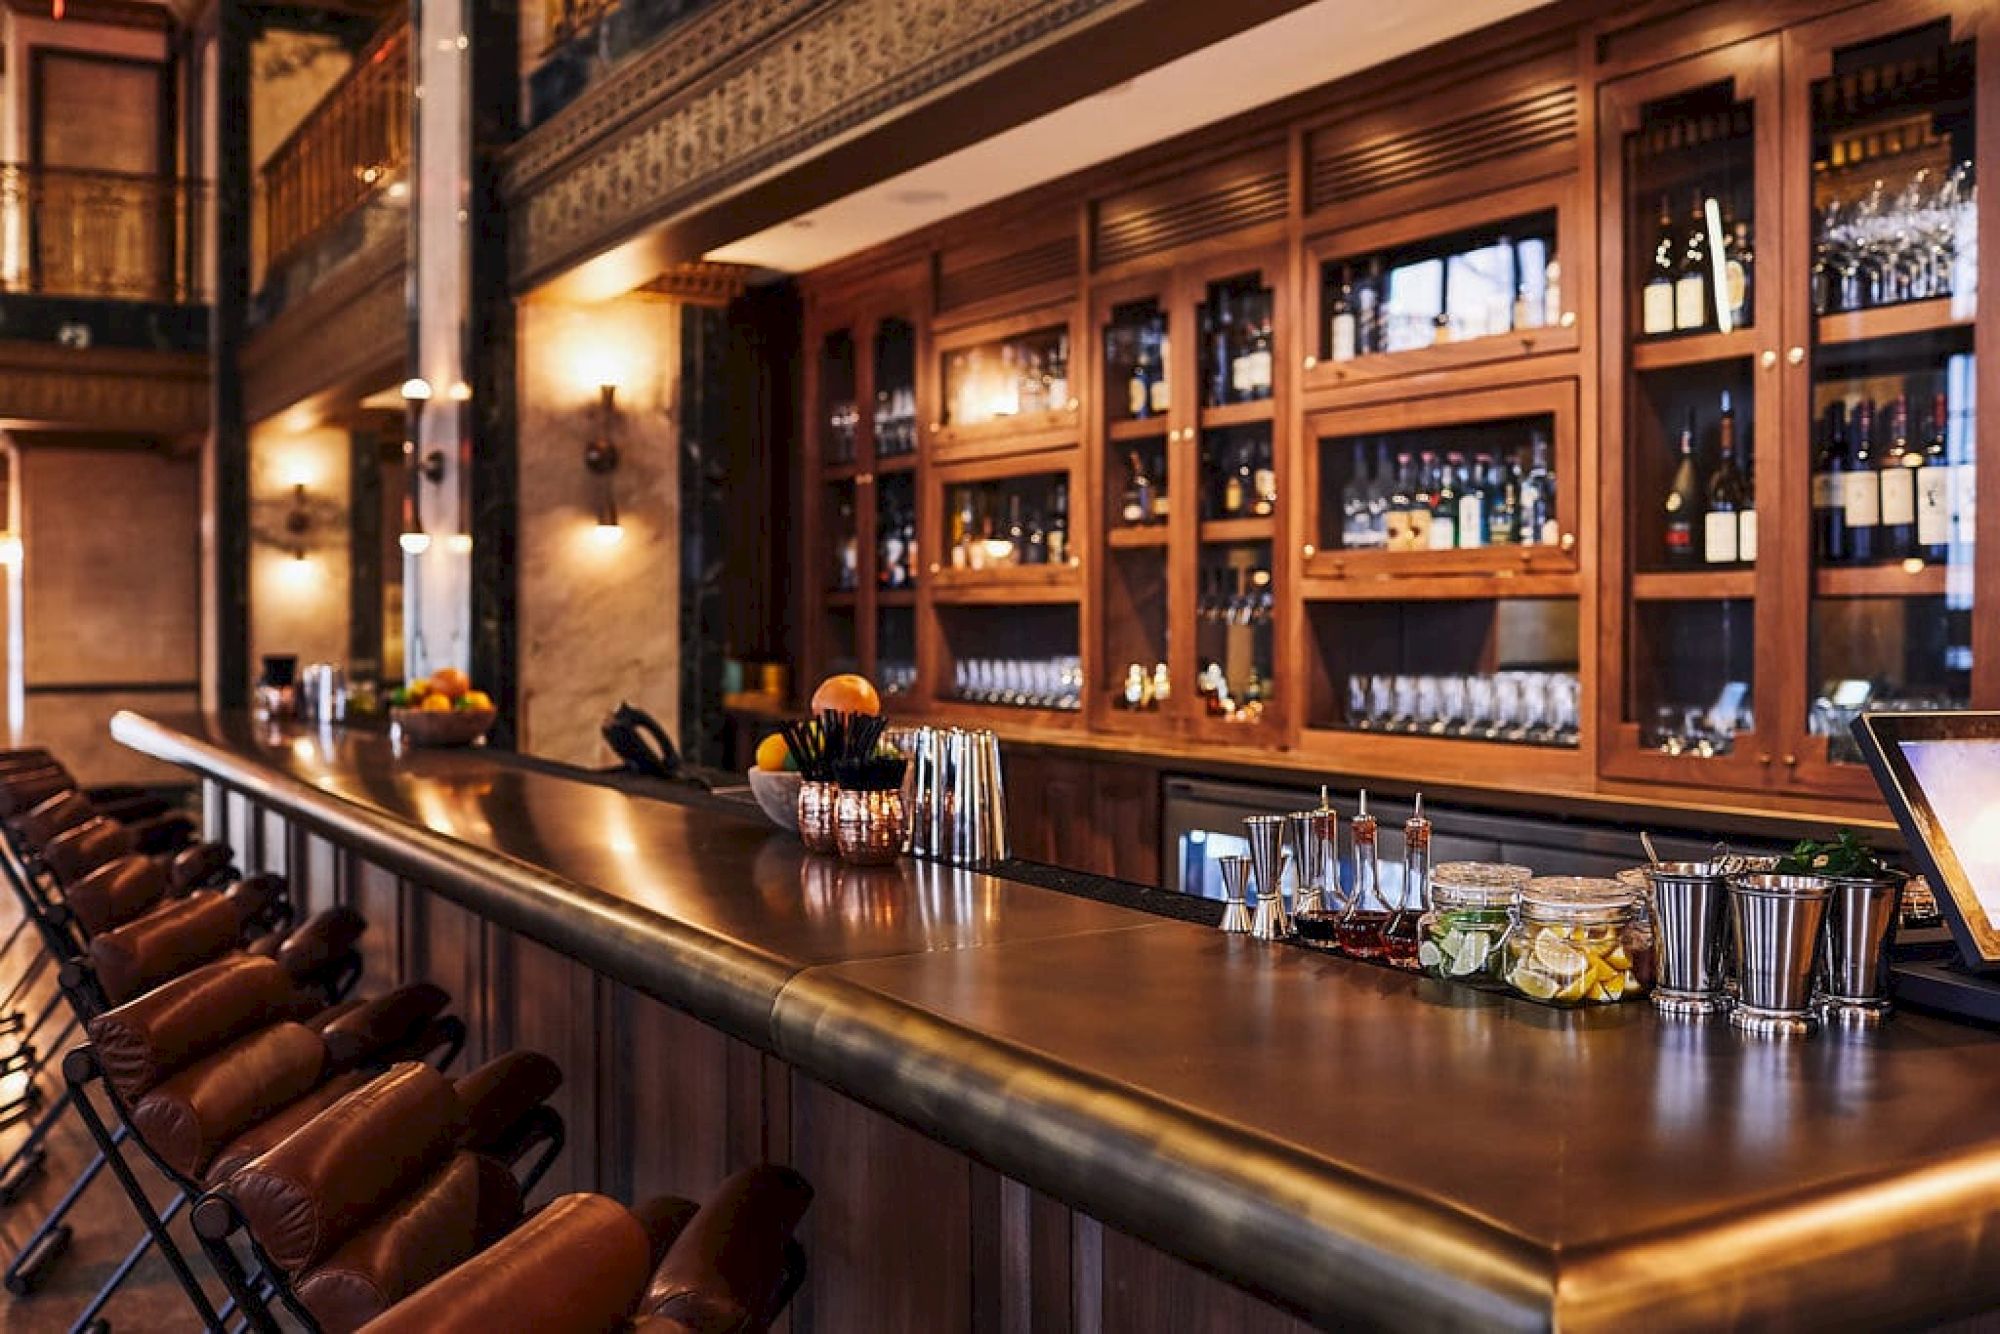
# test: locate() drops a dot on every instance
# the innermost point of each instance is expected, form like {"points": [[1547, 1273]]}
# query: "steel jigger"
{"points": [[1267, 864], [1235, 888], [1312, 839]]}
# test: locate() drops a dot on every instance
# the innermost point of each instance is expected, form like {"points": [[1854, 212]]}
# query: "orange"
{"points": [[846, 693], [450, 682], [435, 704], [772, 753], [475, 701]]}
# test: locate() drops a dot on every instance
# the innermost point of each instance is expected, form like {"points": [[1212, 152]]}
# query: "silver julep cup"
{"points": [[1267, 863], [1690, 903], [1311, 832], [1235, 889], [1854, 962], [1777, 919]]}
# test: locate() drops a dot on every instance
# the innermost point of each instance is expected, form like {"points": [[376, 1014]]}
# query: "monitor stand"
{"points": [[1925, 972]]}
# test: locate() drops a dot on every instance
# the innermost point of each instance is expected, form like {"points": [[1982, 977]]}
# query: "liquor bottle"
{"points": [[1503, 501], [1264, 484], [1739, 275], [961, 529], [1691, 281], [1222, 352], [1257, 374], [1137, 687], [1163, 689], [1552, 301], [1370, 329], [1058, 380], [1861, 488], [1443, 534], [889, 553], [1728, 496], [1059, 525], [1537, 523], [1934, 489], [1396, 520], [1036, 550], [1161, 397], [1341, 342], [1381, 491], [911, 563], [1897, 535], [1137, 505], [1472, 502], [1236, 485], [1139, 384], [1683, 499], [1354, 505], [1829, 497], [1657, 299], [1160, 505], [1422, 495]]}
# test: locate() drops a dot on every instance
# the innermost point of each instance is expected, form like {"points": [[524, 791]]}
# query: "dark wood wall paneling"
{"points": [[906, 1235]]}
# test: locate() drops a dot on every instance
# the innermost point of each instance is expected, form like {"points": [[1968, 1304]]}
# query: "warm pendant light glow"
{"points": [[415, 544], [10, 550], [459, 544], [608, 534]]}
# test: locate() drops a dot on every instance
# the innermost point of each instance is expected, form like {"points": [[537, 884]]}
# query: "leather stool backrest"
{"points": [[729, 1269], [200, 865], [23, 789], [350, 1164], [187, 1118], [145, 1041], [163, 944], [116, 893], [76, 852], [39, 826]]}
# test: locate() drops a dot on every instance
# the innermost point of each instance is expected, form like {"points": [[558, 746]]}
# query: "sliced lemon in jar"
{"points": [[1576, 990], [1618, 958], [1559, 958], [1531, 983]]}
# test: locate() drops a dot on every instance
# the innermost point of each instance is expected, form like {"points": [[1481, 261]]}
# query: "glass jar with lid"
{"points": [[1471, 909], [1573, 942], [1634, 879]]}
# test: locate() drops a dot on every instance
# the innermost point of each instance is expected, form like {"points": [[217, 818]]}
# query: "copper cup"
{"points": [[816, 817], [870, 827]]}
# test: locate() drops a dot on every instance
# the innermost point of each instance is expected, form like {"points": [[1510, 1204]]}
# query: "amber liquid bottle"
{"points": [[1359, 935]]}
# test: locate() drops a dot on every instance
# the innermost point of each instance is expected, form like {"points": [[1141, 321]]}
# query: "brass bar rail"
{"points": [[353, 143], [102, 234]]}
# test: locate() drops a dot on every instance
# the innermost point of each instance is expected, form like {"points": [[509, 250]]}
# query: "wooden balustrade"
{"points": [[353, 144], [101, 234]]}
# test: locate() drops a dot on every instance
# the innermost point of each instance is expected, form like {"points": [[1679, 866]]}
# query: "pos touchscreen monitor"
{"points": [[1940, 773]]}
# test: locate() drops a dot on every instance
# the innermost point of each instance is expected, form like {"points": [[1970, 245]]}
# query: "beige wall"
{"points": [[299, 607], [109, 596], [597, 624]]}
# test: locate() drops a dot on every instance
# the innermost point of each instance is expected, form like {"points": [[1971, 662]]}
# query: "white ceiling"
{"points": [[1323, 41]]}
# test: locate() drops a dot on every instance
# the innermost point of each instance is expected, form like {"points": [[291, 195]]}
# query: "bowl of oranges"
{"points": [[775, 779], [442, 710]]}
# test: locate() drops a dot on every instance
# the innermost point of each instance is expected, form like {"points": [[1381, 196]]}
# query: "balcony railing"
{"points": [[354, 143], [100, 234]]}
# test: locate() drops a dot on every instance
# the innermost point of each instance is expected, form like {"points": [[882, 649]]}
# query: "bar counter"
{"points": [[1350, 1144]]}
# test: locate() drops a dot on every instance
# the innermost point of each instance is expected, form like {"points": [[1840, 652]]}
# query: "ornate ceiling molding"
{"points": [[702, 284], [738, 90], [157, 394]]}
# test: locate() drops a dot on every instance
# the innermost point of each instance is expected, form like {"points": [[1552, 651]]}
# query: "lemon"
{"points": [[1618, 958], [1558, 958], [1531, 983], [772, 752], [1613, 987], [1576, 990]]}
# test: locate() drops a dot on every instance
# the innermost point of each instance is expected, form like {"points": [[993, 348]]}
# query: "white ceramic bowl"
{"points": [[778, 793]]}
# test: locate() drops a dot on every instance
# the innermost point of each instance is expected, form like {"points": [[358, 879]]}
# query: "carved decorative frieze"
{"points": [[702, 284], [157, 394], [736, 91]]}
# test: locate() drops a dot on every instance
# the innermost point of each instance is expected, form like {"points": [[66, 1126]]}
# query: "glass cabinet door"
{"points": [[1690, 425], [1885, 367]]}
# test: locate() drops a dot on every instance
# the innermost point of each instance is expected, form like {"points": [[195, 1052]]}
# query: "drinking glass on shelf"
{"points": [[1357, 704], [1381, 703], [1430, 705], [1456, 692], [1508, 708], [1567, 705], [1405, 717], [1482, 708]]}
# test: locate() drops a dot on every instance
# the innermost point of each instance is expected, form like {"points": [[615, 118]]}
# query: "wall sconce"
{"points": [[600, 458], [430, 468], [298, 521]]}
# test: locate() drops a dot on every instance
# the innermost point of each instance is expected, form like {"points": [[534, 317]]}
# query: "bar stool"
{"points": [[396, 1183], [585, 1264], [218, 1067]]}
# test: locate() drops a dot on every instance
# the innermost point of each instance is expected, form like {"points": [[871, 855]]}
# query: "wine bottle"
{"points": [[1381, 490], [1683, 500], [1264, 484], [1657, 298], [1897, 535], [1443, 532], [1223, 372], [1861, 488], [1160, 396], [1236, 486], [1059, 525], [1036, 552], [1503, 501], [1354, 505], [1471, 502], [1829, 497], [1691, 281], [1396, 520], [1139, 384], [1934, 489], [1739, 275], [1728, 496], [1341, 343], [1370, 329], [1421, 497]]}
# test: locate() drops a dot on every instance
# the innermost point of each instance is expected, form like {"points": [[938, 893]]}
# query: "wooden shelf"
{"points": [[1693, 349], [839, 472], [1406, 566], [897, 463], [1496, 586], [1694, 585], [1912, 317], [1138, 537], [1520, 345], [1879, 581], [1137, 428], [896, 597], [1025, 585], [1238, 414], [1239, 530], [840, 599], [1025, 434]]}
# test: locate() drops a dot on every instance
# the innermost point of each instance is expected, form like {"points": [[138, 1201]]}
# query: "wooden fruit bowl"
{"points": [[460, 727]]}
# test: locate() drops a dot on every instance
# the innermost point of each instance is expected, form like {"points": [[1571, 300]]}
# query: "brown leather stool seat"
{"points": [[79, 850], [42, 824], [583, 1265], [392, 1185], [179, 935]]}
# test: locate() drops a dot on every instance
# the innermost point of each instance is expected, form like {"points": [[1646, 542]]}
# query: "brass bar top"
{"points": [[1361, 1146]]}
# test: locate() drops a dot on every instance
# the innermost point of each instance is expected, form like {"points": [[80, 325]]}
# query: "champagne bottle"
{"points": [[1728, 497], [1657, 298], [1683, 500], [1691, 312]]}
